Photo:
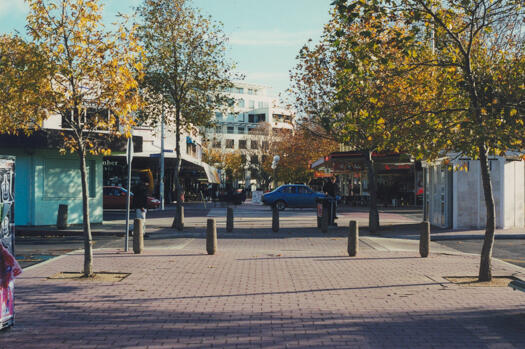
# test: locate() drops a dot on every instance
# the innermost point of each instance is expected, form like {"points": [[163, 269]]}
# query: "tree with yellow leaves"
{"points": [[353, 84], [477, 64], [25, 90], [94, 81]]}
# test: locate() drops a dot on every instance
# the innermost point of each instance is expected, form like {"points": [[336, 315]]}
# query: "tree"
{"points": [[185, 64], [478, 63], [353, 85], [298, 149], [94, 84], [25, 89], [230, 162]]}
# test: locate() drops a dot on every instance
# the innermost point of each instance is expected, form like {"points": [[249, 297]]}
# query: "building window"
{"points": [[265, 145], [230, 143], [241, 130], [254, 145], [242, 144], [239, 90], [241, 103], [251, 104], [256, 118], [218, 129], [216, 143], [260, 104], [218, 115], [230, 129], [250, 91], [254, 159]]}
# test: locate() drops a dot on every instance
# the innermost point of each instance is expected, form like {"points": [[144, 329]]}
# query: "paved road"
{"points": [[511, 251]]}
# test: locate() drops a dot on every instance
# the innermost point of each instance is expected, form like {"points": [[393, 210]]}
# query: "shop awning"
{"points": [[340, 162], [212, 174]]}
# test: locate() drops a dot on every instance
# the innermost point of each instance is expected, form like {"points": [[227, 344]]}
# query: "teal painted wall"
{"points": [[46, 179]]}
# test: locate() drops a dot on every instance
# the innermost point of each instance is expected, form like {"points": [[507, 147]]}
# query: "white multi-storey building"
{"points": [[236, 130]]}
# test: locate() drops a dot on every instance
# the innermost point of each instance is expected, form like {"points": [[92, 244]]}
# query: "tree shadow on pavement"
{"points": [[108, 321]]}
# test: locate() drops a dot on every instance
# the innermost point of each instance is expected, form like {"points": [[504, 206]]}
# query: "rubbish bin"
{"points": [[325, 205]]}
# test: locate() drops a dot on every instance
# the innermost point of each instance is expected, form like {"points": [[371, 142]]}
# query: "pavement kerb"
{"points": [[50, 260], [475, 237]]}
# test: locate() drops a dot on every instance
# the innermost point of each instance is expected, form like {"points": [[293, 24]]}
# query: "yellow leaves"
{"points": [[369, 138], [483, 111], [513, 112], [381, 121], [373, 100]]}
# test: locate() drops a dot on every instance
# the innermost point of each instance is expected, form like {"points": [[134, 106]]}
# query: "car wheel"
{"points": [[281, 205]]}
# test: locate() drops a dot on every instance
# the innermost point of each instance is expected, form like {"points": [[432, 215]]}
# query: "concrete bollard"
{"points": [[275, 219], [211, 236], [178, 221], [229, 219], [424, 239], [138, 236], [62, 217], [353, 239]]}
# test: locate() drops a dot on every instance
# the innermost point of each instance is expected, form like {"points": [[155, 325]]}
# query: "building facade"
{"points": [[455, 199], [249, 127]]}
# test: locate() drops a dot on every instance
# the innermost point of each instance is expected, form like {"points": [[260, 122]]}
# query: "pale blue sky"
{"points": [[265, 35]]}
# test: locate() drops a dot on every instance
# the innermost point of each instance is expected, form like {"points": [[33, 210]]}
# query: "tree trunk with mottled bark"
{"points": [[485, 267], [88, 239], [373, 215]]}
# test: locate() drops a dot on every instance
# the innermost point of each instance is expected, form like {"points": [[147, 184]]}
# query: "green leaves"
{"points": [[186, 62]]}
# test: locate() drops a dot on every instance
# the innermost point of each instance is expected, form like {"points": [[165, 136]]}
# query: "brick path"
{"points": [[279, 292]]}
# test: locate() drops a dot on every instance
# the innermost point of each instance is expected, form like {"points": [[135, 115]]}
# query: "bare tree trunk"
{"points": [[373, 215], [88, 239], [485, 267]]}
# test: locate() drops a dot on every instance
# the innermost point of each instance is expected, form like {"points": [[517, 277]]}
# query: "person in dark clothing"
{"points": [[330, 189], [140, 201]]}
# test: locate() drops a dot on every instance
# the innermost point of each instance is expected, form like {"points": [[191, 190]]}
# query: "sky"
{"points": [[265, 35]]}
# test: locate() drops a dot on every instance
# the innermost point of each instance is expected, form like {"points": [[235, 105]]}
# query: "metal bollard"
{"points": [[62, 217], [229, 219], [353, 239], [138, 236], [275, 219], [424, 239], [178, 221], [211, 236]]}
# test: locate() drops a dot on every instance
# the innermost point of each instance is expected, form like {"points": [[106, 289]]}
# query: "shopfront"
{"points": [[399, 180]]}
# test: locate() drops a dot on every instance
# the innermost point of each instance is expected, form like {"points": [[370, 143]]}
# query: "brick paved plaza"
{"points": [[266, 290]]}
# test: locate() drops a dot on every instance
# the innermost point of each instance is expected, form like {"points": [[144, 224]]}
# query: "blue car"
{"points": [[292, 195]]}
